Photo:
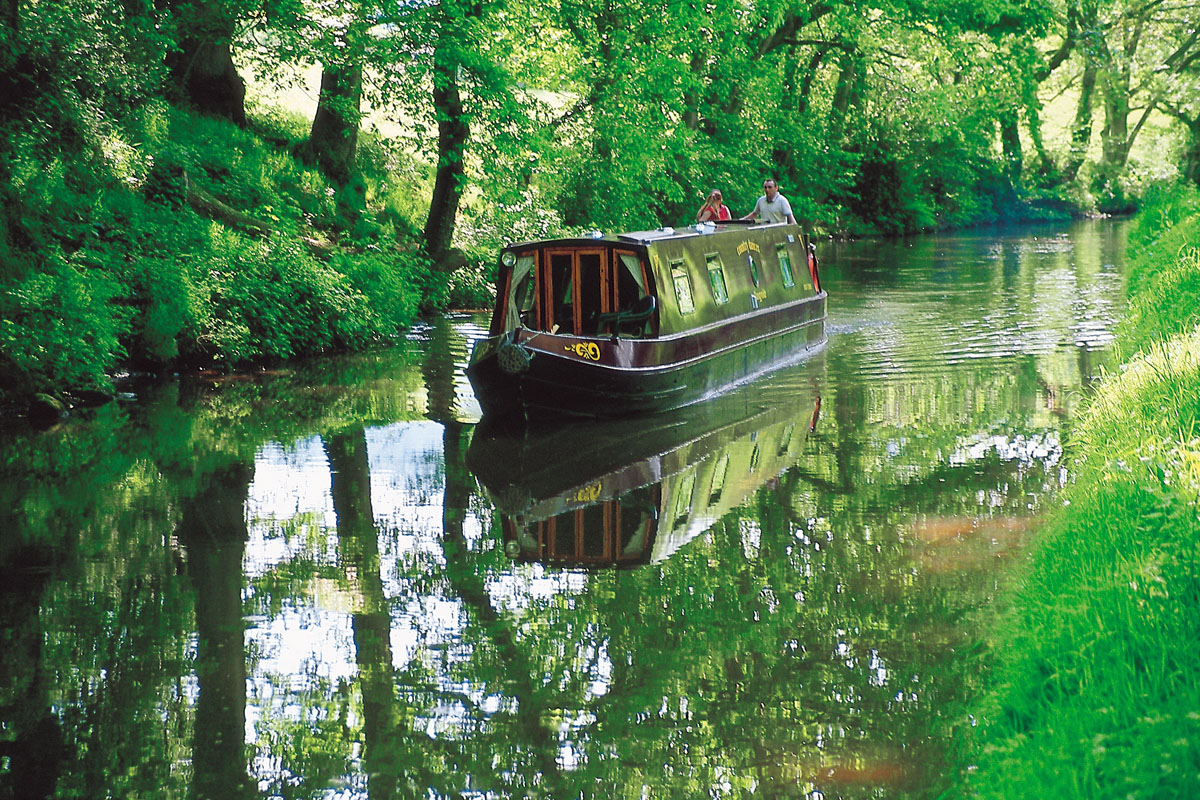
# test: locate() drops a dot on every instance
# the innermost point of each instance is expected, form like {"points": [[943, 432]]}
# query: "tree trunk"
{"points": [[453, 134], [1010, 139], [1046, 166], [466, 576], [333, 140], [11, 10], [691, 99], [202, 69], [1191, 164], [782, 155], [1081, 130], [1118, 89], [12, 49], [844, 96], [810, 75], [358, 552], [1115, 134]]}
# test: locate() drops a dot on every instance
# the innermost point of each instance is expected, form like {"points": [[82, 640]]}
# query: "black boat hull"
{"points": [[605, 377]]}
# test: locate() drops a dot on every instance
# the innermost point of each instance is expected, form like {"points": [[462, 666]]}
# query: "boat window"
{"points": [[562, 535], [637, 511], [750, 258], [785, 265], [595, 532], [683, 287], [629, 289], [683, 499], [785, 441], [524, 295], [718, 479], [716, 277], [631, 284]]}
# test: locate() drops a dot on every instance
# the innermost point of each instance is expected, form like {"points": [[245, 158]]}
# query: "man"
{"points": [[772, 206]]}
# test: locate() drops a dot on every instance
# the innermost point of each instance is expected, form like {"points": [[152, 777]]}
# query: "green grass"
{"points": [[1164, 283], [1097, 692]]}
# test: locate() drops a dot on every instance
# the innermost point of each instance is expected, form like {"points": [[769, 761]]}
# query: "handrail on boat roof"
{"points": [[659, 234], [643, 237]]}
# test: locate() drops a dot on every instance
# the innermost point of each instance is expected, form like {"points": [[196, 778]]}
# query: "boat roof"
{"points": [[661, 234], [665, 233]]}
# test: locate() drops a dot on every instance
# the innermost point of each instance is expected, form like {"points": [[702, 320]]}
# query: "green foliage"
{"points": [[60, 324], [1169, 222], [107, 265], [391, 284], [876, 120], [273, 299]]}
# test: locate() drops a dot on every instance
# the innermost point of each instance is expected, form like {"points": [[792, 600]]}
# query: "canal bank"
{"points": [[1095, 691]]}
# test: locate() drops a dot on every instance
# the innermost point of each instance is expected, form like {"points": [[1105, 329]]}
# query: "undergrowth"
{"points": [[109, 266]]}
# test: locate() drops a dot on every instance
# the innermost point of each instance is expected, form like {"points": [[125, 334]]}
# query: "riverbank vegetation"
{"points": [[157, 215], [1098, 695]]}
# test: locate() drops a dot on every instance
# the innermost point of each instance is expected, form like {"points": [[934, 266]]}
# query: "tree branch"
{"points": [[789, 27], [1137, 128], [1055, 60], [207, 205], [1181, 53]]}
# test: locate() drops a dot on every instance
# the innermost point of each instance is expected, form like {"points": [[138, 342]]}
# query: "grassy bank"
{"points": [[1097, 691], [173, 241]]}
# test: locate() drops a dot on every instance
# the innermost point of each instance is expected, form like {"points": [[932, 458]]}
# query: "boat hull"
{"points": [[556, 375]]}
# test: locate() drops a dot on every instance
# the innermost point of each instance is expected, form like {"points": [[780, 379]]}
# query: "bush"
{"points": [[60, 326], [272, 299], [106, 265]]}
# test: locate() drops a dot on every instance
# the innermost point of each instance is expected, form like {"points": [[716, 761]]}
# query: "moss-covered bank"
{"points": [[1097, 693], [177, 241]]}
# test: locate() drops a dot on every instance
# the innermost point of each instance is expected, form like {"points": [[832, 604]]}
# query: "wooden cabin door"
{"points": [[576, 289], [612, 532]]}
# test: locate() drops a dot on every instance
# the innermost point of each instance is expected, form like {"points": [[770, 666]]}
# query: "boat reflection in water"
{"points": [[623, 493]]}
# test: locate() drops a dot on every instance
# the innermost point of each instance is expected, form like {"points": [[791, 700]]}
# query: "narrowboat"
{"points": [[645, 321], [623, 493]]}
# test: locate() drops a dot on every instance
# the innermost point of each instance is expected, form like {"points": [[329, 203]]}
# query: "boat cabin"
{"points": [[650, 283]]}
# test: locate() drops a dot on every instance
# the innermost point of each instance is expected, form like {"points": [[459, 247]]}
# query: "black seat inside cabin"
{"points": [[631, 321]]}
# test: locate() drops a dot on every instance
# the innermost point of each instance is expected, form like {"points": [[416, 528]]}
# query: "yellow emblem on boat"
{"points": [[588, 494], [588, 350], [752, 246]]}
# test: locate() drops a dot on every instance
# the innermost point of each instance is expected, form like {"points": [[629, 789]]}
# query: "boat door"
{"points": [[576, 290], [608, 533], [577, 285]]}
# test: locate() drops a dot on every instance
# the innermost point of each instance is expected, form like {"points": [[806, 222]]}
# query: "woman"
{"points": [[713, 209]]}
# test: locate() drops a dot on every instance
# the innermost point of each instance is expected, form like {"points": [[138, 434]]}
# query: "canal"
{"points": [[331, 581]]}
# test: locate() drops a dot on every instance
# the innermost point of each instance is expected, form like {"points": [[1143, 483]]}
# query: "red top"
{"points": [[722, 213]]}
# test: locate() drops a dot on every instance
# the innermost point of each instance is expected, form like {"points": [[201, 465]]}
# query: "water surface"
{"points": [[331, 581]]}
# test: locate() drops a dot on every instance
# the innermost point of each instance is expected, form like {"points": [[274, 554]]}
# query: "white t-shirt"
{"points": [[775, 211]]}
